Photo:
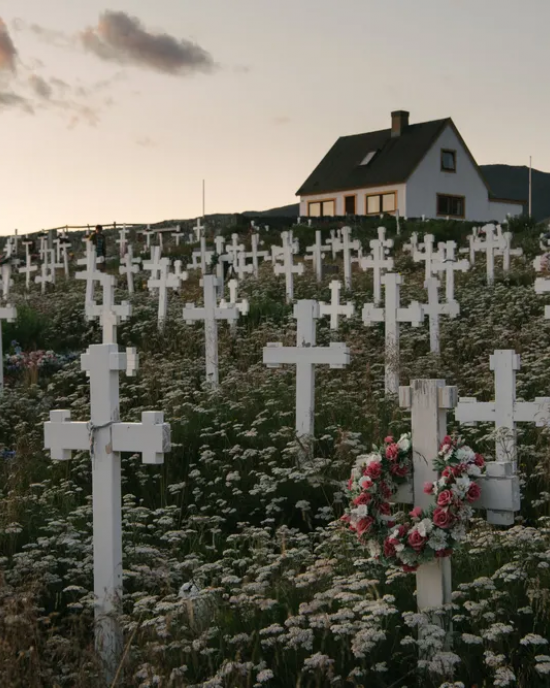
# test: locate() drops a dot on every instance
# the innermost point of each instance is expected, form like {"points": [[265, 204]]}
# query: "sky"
{"points": [[118, 111]]}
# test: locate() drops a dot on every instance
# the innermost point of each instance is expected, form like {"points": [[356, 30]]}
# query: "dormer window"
{"points": [[448, 160], [368, 157]]}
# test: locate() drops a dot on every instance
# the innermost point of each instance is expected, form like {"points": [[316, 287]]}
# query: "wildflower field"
{"points": [[238, 570]]}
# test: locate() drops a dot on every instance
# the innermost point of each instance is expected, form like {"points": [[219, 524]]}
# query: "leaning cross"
{"points": [[105, 437], [392, 314], [210, 313], [335, 309], [305, 356], [504, 412], [433, 309]]}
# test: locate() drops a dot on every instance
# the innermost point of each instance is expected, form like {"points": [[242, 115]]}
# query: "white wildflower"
{"points": [[533, 639]]}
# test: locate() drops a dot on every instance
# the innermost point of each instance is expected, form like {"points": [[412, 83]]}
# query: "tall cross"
{"points": [[504, 411], [433, 309], [106, 437], [448, 264], [378, 262], [165, 280], [288, 268], [335, 309], [210, 313], [491, 245], [129, 267], [392, 315], [315, 252], [305, 356], [347, 246], [109, 314], [8, 313]]}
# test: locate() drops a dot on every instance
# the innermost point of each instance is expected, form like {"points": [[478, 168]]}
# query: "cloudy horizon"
{"points": [[118, 113]]}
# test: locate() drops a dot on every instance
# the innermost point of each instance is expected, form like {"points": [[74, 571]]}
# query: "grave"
{"points": [[379, 262], [335, 309], [288, 268]]}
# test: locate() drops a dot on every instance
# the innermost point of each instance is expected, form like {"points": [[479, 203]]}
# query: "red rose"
{"points": [[365, 484], [363, 498], [402, 531], [447, 472], [444, 498], [479, 460], [447, 440], [428, 488], [441, 553], [350, 483], [416, 541], [388, 440], [374, 470], [474, 492], [384, 508], [416, 512], [441, 517], [364, 525], [458, 470], [346, 518], [385, 490], [389, 547], [392, 451]]}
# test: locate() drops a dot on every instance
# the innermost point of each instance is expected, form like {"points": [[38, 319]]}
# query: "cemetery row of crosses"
{"points": [[180, 420]]}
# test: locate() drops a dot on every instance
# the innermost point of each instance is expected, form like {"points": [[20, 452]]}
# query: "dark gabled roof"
{"points": [[394, 162]]}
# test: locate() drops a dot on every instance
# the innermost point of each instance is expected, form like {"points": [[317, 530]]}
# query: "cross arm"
{"points": [[413, 314], [469, 410], [336, 355], [529, 411], [63, 436], [372, 314], [150, 438]]}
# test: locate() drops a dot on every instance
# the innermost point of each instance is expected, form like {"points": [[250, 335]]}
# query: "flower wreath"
{"points": [[425, 534]]}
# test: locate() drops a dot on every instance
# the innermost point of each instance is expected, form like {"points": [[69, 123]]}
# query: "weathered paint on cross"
{"points": [[106, 437], [305, 356], [392, 314]]}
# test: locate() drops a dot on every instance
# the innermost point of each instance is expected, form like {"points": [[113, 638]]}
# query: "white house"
{"points": [[417, 169]]}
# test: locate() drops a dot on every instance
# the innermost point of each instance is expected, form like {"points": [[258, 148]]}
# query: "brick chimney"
{"points": [[399, 122]]}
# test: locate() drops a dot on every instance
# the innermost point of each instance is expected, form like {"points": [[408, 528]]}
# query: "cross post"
{"points": [[433, 309]]}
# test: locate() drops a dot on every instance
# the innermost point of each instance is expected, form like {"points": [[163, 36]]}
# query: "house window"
{"points": [[321, 208], [349, 205], [451, 206], [448, 160], [381, 203]]}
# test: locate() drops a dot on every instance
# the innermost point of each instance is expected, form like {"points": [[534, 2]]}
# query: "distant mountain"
{"points": [[509, 181], [506, 181]]}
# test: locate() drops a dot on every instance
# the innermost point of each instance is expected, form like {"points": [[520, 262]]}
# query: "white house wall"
{"points": [[428, 180], [360, 202]]}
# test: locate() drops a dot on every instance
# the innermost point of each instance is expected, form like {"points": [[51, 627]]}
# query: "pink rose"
{"points": [[444, 498], [402, 531], [479, 460], [416, 541], [389, 547], [346, 518], [442, 517], [350, 483], [374, 470], [474, 492], [428, 488], [363, 498], [399, 471], [392, 451], [388, 440], [364, 525], [416, 512], [384, 509], [385, 490]]}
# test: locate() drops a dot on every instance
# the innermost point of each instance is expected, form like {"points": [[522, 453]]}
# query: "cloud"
{"points": [[122, 38], [40, 86], [8, 52], [9, 99], [146, 142], [50, 36]]}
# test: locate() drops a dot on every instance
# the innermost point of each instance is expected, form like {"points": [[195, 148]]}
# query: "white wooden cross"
{"points": [[210, 313], [242, 306], [491, 245], [64, 244], [504, 412], [90, 274], [429, 401], [223, 257], [43, 247], [315, 254], [447, 263], [241, 267], [288, 268], [379, 262], [202, 254], [106, 437], [153, 265], [198, 229], [29, 267], [165, 280], [177, 235], [334, 242], [234, 249], [392, 314], [7, 280], [255, 254], [507, 251], [335, 309], [433, 309], [130, 266], [122, 242], [471, 250], [47, 271], [428, 255], [109, 314], [8, 313], [305, 356], [347, 246], [413, 245], [148, 234]]}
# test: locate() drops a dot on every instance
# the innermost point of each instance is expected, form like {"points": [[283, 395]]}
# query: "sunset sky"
{"points": [[116, 112]]}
